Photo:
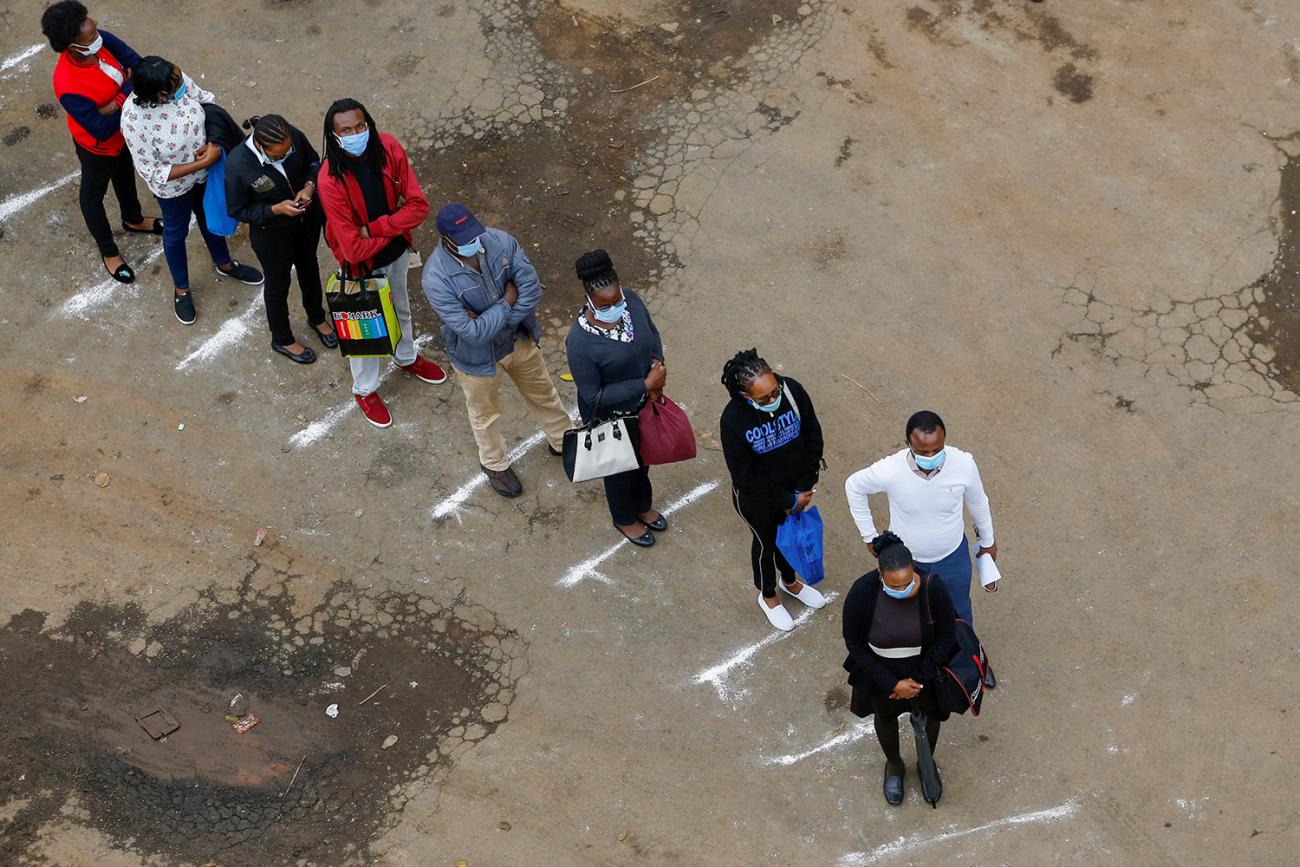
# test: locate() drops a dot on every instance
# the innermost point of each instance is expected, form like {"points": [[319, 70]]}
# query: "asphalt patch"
{"points": [[300, 785]]}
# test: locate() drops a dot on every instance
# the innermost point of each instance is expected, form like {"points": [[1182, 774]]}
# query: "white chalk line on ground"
{"points": [[230, 332], [859, 731], [450, 505], [14, 59], [14, 204], [716, 675], [317, 429], [917, 841], [587, 568], [105, 290]]}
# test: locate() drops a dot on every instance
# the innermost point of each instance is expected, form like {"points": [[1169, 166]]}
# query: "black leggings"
{"points": [[97, 172], [764, 557], [887, 711]]}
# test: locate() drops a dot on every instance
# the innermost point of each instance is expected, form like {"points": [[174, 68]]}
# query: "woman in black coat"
{"points": [[899, 627], [270, 184], [617, 361]]}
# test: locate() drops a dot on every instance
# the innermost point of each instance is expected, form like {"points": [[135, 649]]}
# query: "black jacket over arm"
{"points": [[938, 634], [252, 188]]}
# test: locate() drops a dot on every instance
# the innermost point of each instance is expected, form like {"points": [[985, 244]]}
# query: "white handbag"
{"points": [[598, 450]]}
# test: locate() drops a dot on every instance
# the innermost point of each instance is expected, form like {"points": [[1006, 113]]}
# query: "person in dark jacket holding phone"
{"points": [[900, 629], [617, 362], [772, 442], [271, 185]]}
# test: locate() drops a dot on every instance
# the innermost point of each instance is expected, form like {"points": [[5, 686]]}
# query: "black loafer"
{"points": [[156, 230], [307, 356], [554, 451], [331, 340], [504, 482], [990, 679], [645, 540], [658, 524], [123, 274], [893, 788]]}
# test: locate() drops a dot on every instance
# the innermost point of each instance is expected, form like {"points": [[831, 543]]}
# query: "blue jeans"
{"points": [[176, 227], [954, 571]]}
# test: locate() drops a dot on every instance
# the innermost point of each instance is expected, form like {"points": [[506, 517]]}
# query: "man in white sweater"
{"points": [[927, 484]]}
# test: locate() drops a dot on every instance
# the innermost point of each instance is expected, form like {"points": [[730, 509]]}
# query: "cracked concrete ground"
{"points": [[1069, 229]]}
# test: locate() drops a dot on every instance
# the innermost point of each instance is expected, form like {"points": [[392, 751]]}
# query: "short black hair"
{"points": [[269, 129], [743, 368], [61, 23], [595, 270], [926, 422], [153, 78], [891, 553]]}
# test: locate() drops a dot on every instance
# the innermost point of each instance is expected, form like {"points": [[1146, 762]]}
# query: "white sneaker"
{"points": [[778, 616], [807, 595]]}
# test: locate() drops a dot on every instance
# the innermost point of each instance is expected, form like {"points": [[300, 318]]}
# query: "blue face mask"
{"points": [[933, 462], [473, 248], [611, 314], [180, 91], [769, 407], [354, 144], [899, 594]]}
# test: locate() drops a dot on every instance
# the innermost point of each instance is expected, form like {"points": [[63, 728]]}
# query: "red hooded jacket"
{"points": [[345, 208]]}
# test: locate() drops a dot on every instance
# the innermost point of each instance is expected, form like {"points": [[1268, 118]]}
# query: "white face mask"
{"points": [[93, 47]]}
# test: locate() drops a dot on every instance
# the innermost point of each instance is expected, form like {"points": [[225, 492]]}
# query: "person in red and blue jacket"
{"points": [[92, 79]]}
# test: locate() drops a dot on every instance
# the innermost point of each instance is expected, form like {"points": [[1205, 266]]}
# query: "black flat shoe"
{"points": [[156, 230], [658, 524], [893, 788], [645, 540], [331, 340], [990, 679], [554, 451], [307, 356], [123, 274]]}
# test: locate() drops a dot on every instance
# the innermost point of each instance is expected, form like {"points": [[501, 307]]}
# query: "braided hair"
{"points": [[891, 552], [595, 270], [268, 129], [743, 368], [340, 160]]}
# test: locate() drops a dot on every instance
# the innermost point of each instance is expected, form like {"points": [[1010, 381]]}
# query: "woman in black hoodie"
{"points": [[773, 446], [899, 627]]}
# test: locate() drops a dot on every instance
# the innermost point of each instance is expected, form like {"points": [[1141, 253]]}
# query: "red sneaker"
{"points": [[372, 407], [426, 371]]}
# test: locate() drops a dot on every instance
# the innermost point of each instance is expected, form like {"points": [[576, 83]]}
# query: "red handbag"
{"points": [[666, 434]]}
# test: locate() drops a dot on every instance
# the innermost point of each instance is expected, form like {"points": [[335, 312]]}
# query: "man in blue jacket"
{"points": [[485, 290]]}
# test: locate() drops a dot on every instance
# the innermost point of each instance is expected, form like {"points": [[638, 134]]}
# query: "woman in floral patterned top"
{"points": [[164, 127]]}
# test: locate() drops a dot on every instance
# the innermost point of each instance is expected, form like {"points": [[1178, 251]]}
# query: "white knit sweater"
{"points": [[925, 513]]}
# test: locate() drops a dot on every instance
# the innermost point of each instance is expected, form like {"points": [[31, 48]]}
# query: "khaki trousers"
{"points": [[527, 368]]}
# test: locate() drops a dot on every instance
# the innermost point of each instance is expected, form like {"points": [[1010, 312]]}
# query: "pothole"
{"points": [[301, 786]]}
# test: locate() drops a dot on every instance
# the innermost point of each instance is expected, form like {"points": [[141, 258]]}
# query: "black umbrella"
{"points": [[931, 785]]}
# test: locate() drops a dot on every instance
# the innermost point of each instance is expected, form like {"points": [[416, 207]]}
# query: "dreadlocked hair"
{"points": [[374, 155], [268, 129], [743, 368], [595, 270]]}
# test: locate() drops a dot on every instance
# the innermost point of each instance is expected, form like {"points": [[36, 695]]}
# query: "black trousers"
{"points": [[629, 494], [277, 251], [764, 558], [887, 711], [97, 172]]}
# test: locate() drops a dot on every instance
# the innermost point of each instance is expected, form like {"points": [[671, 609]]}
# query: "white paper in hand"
{"points": [[988, 570]]}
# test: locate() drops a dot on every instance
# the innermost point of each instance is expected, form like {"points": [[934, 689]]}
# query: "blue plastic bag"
{"points": [[799, 538], [214, 201]]}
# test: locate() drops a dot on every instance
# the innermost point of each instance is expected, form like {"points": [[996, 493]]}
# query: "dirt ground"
{"points": [[1069, 228]]}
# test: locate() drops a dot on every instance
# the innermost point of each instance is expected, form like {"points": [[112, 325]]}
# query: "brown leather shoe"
{"points": [[504, 482]]}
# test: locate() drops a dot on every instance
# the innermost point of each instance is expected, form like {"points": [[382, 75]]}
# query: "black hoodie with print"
{"points": [[771, 455]]}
